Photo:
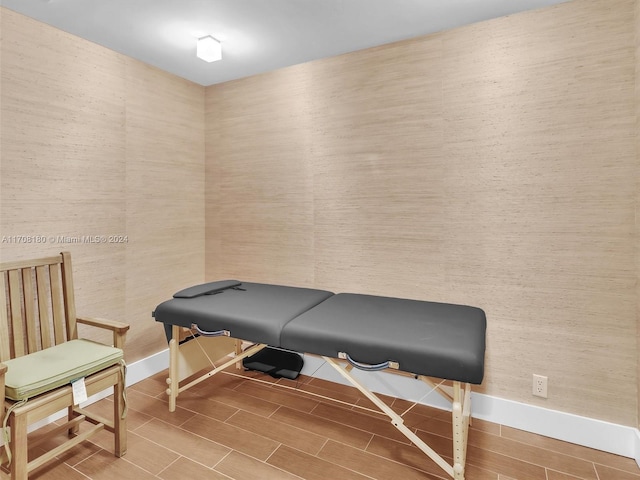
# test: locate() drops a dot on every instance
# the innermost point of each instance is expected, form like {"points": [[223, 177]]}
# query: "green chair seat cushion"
{"points": [[53, 367]]}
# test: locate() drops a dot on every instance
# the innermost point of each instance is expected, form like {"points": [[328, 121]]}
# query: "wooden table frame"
{"points": [[191, 357]]}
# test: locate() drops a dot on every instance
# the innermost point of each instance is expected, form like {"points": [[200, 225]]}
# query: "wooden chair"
{"points": [[38, 326]]}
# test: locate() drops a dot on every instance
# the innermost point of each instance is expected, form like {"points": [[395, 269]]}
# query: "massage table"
{"points": [[366, 332]]}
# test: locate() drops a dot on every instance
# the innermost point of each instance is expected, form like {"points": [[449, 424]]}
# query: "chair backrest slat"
{"points": [[5, 339], [15, 307], [43, 305], [70, 303], [29, 299], [56, 305]]}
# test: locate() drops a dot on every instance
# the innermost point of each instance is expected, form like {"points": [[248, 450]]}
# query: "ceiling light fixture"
{"points": [[209, 49]]}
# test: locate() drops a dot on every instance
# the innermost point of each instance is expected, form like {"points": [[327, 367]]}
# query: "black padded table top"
{"points": [[251, 311], [426, 338]]}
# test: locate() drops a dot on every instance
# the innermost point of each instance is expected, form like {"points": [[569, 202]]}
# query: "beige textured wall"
{"points": [[493, 165], [260, 196], [93, 143]]}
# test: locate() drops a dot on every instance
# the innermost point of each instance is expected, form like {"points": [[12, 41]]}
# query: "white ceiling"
{"points": [[257, 35]]}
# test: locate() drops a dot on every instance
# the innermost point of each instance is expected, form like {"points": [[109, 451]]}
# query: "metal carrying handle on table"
{"points": [[367, 366], [204, 333]]}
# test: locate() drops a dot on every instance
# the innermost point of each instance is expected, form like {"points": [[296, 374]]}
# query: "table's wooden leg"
{"points": [[461, 411], [173, 380], [238, 353]]}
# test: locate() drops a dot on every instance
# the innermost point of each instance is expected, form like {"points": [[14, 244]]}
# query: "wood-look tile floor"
{"points": [[229, 427]]}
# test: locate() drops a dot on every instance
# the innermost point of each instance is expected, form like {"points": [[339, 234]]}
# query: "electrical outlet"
{"points": [[539, 386]]}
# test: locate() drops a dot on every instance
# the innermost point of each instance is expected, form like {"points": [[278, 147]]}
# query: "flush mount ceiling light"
{"points": [[209, 49]]}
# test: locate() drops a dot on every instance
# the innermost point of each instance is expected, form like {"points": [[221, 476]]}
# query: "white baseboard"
{"points": [[589, 432], [147, 367]]}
